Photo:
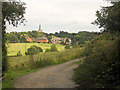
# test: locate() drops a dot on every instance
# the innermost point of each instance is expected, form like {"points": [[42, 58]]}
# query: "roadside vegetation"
{"points": [[101, 64]]}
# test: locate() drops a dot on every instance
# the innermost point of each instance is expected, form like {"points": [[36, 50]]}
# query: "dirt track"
{"points": [[57, 76]]}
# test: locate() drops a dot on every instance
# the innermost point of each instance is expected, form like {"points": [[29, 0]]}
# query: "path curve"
{"points": [[57, 76]]}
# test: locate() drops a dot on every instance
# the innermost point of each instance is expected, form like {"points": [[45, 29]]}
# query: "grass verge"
{"points": [[10, 78]]}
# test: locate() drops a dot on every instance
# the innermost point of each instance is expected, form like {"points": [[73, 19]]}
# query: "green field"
{"points": [[13, 48]]}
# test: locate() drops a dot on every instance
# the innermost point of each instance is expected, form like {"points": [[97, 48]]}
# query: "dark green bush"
{"points": [[19, 53], [67, 47], [53, 48], [33, 50], [47, 50], [101, 66]]}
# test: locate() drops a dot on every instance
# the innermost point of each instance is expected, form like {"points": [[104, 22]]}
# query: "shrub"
{"points": [[67, 47], [101, 65], [33, 50], [75, 45], [81, 45], [19, 53], [47, 50], [53, 48]]}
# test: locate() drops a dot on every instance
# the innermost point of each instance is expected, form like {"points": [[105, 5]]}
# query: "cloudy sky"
{"points": [[60, 15]]}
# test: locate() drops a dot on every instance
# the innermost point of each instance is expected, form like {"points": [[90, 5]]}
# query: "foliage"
{"points": [[63, 43], [108, 18], [47, 50], [67, 40], [50, 37], [13, 13], [79, 37], [23, 38], [19, 53], [67, 47], [33, 50], [101, 65], [53, 48], [75, 45]]}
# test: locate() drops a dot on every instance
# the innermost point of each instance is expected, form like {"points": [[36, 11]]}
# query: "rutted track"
{"points": [[57, 76]]}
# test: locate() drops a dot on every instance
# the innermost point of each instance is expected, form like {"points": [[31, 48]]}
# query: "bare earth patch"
{"points": [[57, 76]]}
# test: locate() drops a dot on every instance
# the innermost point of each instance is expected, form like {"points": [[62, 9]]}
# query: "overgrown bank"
{"points": [[100, 68]]}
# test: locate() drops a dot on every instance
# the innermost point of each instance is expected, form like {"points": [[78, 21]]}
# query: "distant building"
{"points": [[29, 39], [40, 40], [40, 30], [56, 40]]}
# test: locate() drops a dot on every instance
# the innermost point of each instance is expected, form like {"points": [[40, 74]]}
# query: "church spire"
{"points": [[40, 30]]}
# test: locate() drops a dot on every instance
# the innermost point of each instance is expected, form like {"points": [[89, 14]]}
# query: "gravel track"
{"points": [[56, 76]]}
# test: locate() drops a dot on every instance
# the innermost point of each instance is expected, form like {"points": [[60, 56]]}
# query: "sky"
{"points": [[60, 15]]}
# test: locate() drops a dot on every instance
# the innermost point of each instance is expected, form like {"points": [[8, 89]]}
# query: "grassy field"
{"points": [[13, 48]]}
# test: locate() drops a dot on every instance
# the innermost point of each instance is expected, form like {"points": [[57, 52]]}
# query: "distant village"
{"points": [[54, 40]]}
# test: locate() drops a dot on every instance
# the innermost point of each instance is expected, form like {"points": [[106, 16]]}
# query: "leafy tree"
{"points": [[53, 48], [13, 13], [47, 50], [108, 18], [23, 37], [12, 38]]}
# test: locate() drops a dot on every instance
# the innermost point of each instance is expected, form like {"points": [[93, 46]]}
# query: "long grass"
{"points": [[43, 59]]}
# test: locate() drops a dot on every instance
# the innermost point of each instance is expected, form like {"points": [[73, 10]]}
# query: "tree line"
{"points": [[79, 38]]}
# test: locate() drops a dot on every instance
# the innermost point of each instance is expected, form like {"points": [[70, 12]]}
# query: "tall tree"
{"points": [[109, 18], [12, 13]]}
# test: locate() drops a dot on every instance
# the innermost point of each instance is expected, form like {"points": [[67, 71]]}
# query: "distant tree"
{"points": [[67, 40], [33, 50], [63, 43], [53, 48], [23, 37], [50, 37], [74, 41], [67, 47], [12, 38], [75, 45], [47, 50]]}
